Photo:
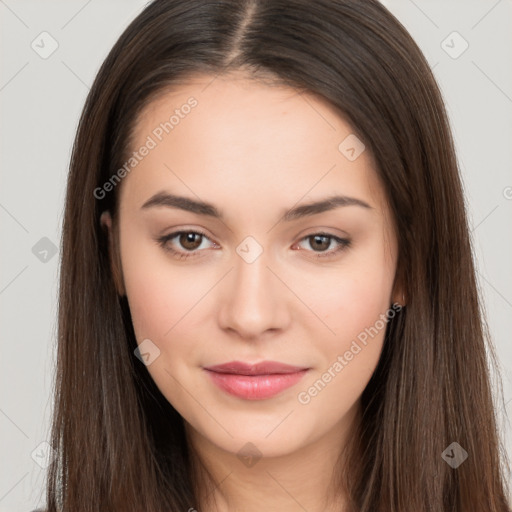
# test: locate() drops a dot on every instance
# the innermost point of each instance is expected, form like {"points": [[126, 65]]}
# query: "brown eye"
{"points": [[320, 242], [184, 244], [190, 240]]}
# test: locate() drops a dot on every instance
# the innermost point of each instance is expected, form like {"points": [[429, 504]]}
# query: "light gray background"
{"points": [[41, 100]]}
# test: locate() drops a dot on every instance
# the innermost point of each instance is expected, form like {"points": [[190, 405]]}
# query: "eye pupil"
{"points": [[190, 240], [319, 239]]}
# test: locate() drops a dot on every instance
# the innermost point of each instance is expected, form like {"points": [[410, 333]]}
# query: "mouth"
{"points": [[255, 381]]}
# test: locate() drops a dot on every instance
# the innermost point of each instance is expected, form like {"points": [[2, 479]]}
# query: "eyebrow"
{"points": [[203, 208]]}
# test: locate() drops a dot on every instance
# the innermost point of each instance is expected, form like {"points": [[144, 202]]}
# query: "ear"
{"points": [[399, 295], [114, 253]]}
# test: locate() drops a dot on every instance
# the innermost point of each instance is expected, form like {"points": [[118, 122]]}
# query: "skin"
{"points": [[255, 151]]}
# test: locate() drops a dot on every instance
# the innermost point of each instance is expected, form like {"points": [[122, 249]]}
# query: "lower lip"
{"points": [[255, 387]]}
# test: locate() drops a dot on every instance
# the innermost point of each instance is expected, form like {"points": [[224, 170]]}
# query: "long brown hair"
{"points": [[120, 445]]}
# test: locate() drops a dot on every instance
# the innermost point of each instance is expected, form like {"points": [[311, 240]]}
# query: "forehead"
{"points": [[217, 136]]}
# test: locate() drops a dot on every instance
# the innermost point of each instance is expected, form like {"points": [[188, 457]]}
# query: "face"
{"points": [[243, 279]]}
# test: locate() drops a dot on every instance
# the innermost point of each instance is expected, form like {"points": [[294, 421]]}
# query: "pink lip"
{"points": [[255, 381]]}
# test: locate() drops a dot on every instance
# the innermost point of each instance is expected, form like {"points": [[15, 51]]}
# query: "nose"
{"points": [[253, 300]]}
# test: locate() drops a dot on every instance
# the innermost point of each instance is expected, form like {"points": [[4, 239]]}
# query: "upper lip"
{"points": [[262, 368]]}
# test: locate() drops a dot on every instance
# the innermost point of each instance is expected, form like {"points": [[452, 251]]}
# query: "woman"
{"points": [[268, 296]]}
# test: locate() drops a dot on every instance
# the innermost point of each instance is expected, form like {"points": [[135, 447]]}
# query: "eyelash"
{"points": [[344, 243]]}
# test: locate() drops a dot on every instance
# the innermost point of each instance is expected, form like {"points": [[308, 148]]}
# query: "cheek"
{"points": [[356, 296], [355, 313], [353, 307], [159, 296], [162, 301]]}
